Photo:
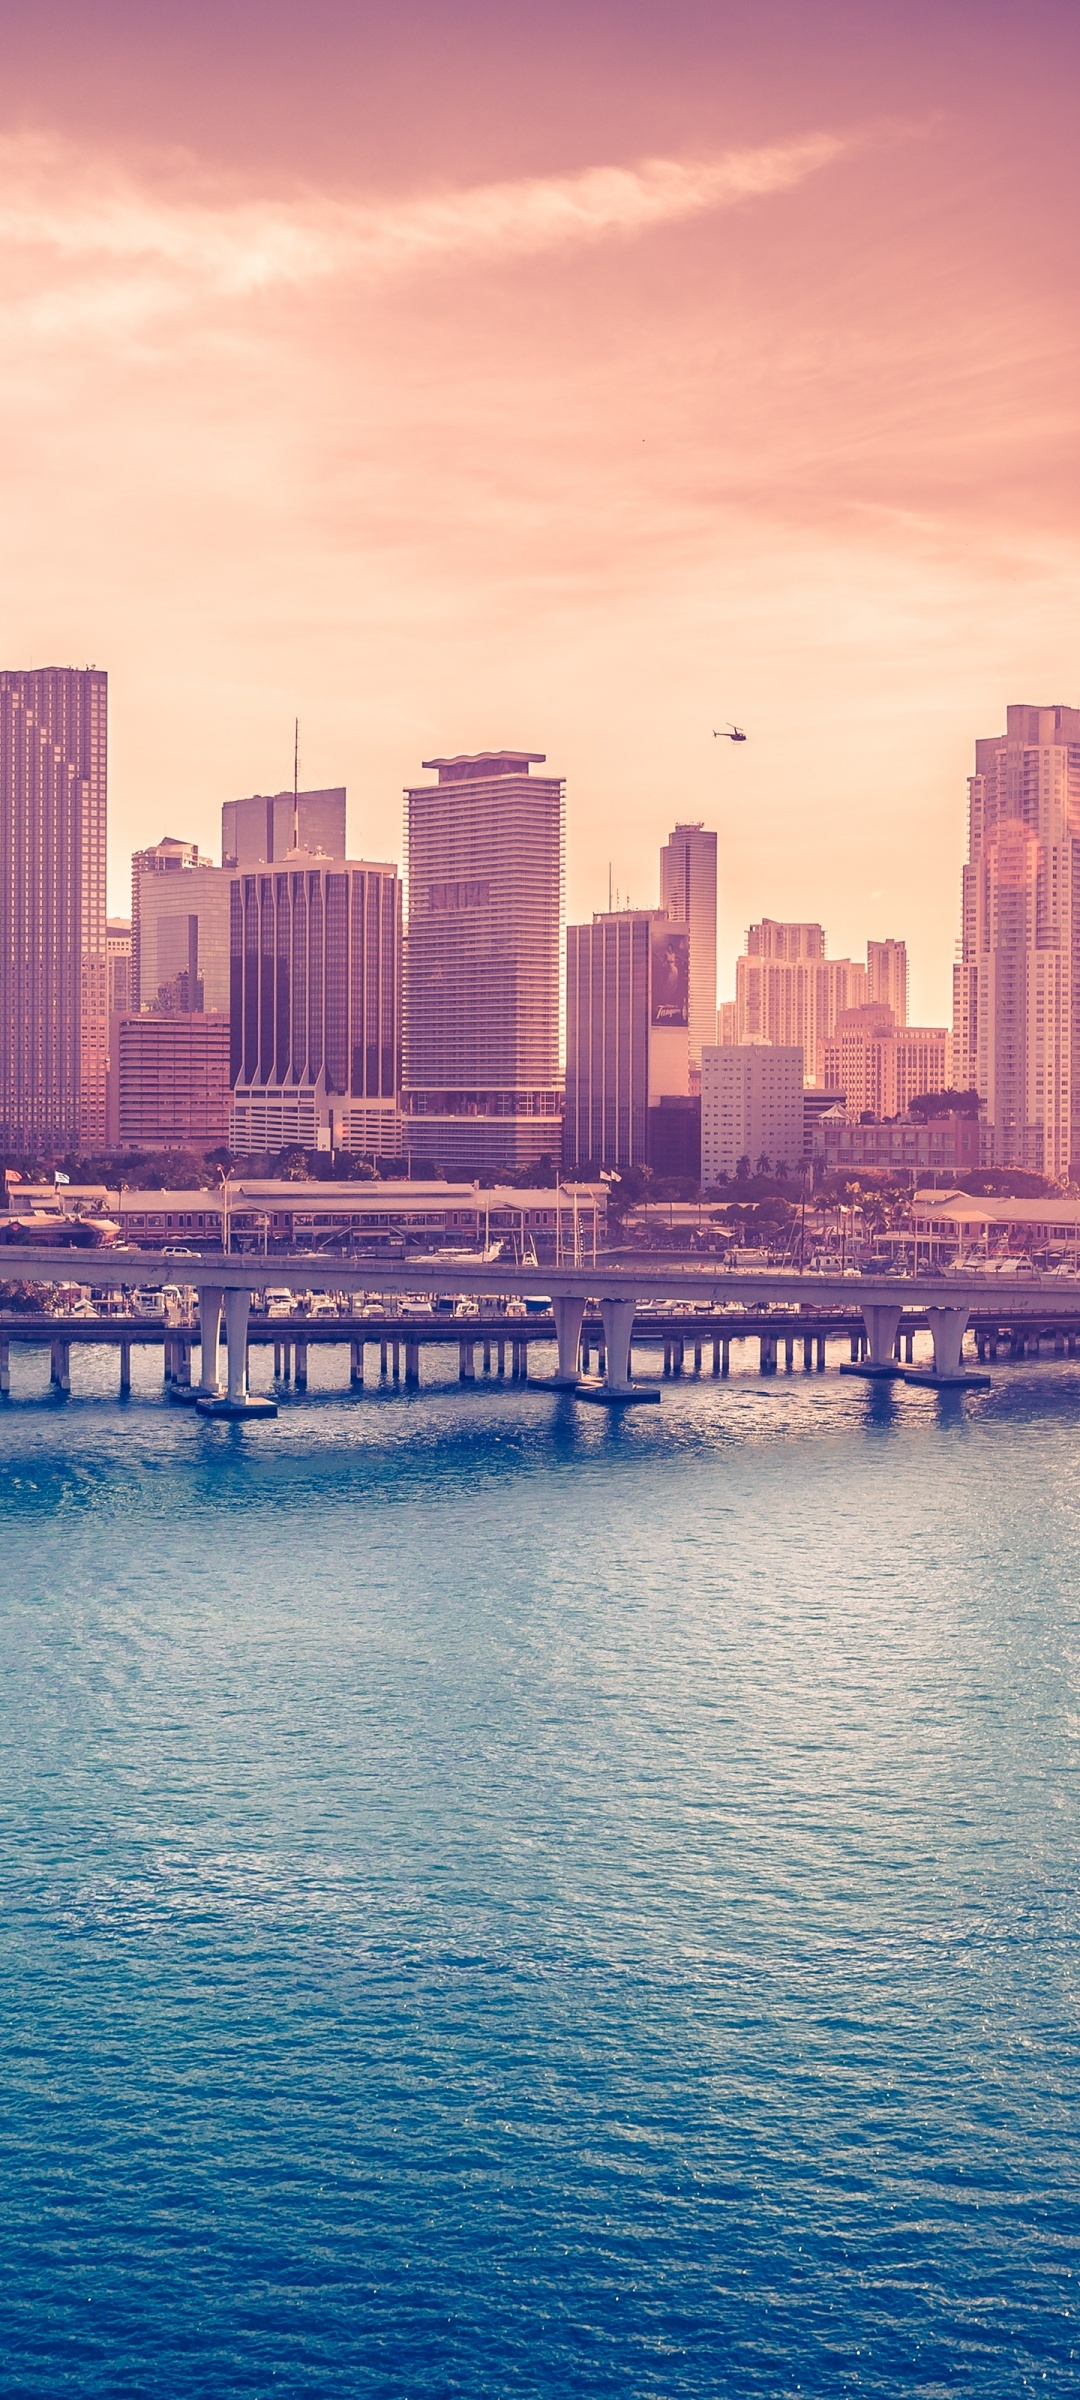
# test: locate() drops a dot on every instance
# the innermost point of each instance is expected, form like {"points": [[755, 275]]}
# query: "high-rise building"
{"points": [[261, 830], [316, 1044], [1016, 988], [887, 976], [179, 930], [169, 1081], [53, 965], [788, 992], [880, 1066], [627, 1035], [483, 1089], [688, 893], [118, 957], [751, 1108]]}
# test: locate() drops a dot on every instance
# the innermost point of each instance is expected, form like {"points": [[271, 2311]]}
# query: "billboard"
{"points": [[670, 975]]}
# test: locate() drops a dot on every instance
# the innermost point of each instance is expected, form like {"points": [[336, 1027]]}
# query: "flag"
{"points": [[58, 1178]]}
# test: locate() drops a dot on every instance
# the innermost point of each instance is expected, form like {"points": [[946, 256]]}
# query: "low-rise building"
{"points": [[904, 1146], [571, 1221]]}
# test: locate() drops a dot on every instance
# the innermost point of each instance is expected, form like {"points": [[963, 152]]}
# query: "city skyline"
{"points": [[730, 384]]}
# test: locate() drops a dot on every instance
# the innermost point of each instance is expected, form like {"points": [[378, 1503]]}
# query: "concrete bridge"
{"points": [[616, 1294]]}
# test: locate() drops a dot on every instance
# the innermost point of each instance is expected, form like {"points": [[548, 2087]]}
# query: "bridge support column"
{"points": [[500, 1356], [60, 1366], [882, 1322], [125, 1370], [5, 1367], [820, 1354], [767, 1350], [356, 1365], [466, 1363], [236, 1400], [808, 1353], [948, 1327], [412, 1366], [211, 1303], [569, 1315], [789, 1352], [300, 1366], [725, 1356]]}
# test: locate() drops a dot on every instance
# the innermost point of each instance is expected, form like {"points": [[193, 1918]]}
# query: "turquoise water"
{"points": [[503, 1899]]}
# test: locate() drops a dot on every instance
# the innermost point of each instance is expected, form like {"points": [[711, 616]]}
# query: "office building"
{"points": [[262, 830], [118, 962], [53, 960], [751, 1109], [881, 1067], [909, 1146], [483, 1090], [688, 893], [1016, 993], [179, 930], [169, 1081], [627, 1037], [316, 1045], [788, 992]]}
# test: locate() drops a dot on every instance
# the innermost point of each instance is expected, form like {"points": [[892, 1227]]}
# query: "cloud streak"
{"points": [[60, 202]]}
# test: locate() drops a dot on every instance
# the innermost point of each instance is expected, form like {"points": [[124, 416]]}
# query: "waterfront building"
{"points": [[261, 830], [751, 1107], [881, 1067], [483, 1088], [53, 958], [179, 929], [627, 1035], [942, 1145], [688, 893], [789, 992], [315, 971], [1016, 989], [571, 1221], [169, 1080]]}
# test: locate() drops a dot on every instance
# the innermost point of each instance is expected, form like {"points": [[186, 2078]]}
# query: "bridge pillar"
{"points": [[466, 1362], [300, 1366], [60, 1366], [237, 1309], [125, 1370], [211, 1303], [767, 1358], [820, 1357], [808, 1353], [725, 1355], [882, 1322], [5, 1366], [412, 1366], [948, 1327], [618, 1316], [356, 1365], [569, 1315]]}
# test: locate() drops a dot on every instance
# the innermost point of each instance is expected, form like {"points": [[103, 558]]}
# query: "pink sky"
{"points": [[575, 377]]}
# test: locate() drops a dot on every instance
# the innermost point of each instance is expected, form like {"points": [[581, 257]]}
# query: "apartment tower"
{"points": [[483, 1090], [688, 893], [1016, 988], [315, 965], [53, 959]]}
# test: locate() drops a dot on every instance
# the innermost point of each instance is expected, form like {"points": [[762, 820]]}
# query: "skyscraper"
{"points": [[887, 977], [485, 852], [53, 971], [627, 1036], [788, 991], [261, 831], [688, 893], [1016, 987], [315, 971], [179, 929]]}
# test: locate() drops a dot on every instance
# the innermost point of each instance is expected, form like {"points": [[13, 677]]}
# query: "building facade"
{"points": [[881, 1067], [316, 1037], [788, 992], [751, 1108], [483, 1087], [179, 930], [627, 1034], [945, 1145], [53, 957], [688, 893], [261, 830], [118, 961], [1016, 987], [169, 1081]]}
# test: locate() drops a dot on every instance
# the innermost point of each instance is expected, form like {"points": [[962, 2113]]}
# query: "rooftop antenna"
{"points": [[609, 887], [296, 784]]}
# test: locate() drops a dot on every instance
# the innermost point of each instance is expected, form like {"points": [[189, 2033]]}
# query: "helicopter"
{"points": [[734, 734]]}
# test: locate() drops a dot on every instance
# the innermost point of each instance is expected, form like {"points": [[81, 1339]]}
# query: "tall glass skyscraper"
{"points": [[53, 959], [315, 971], [688, 892], [482, 957]]}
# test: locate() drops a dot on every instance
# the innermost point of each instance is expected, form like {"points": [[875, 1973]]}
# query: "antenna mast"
{"points": [[296, 784]]}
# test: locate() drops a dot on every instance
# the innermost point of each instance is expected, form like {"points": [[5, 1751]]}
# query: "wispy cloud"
{"points": [[62, 202]]}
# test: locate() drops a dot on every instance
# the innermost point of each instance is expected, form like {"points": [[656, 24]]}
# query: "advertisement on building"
{"points": [[670, 976]]}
